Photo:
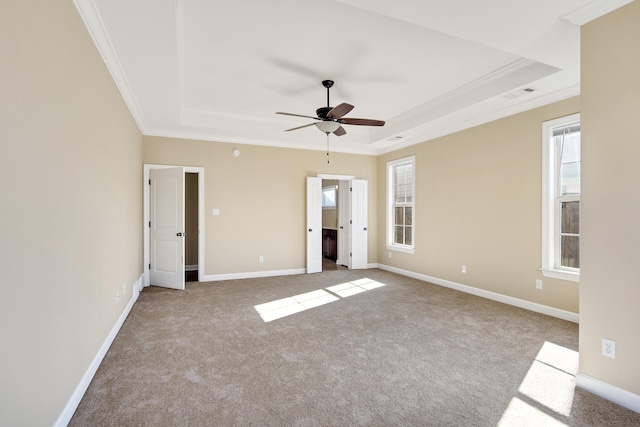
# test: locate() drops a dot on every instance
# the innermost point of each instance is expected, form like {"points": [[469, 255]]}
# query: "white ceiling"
{"points": [[214, 70]]}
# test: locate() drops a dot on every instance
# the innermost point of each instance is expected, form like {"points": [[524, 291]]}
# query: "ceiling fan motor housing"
{"points": [[322, 112]]}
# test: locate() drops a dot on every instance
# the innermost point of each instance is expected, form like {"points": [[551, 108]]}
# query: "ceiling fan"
{"points": [[330, 119]]}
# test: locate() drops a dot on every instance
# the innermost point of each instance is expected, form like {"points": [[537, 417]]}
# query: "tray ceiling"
{"points": [[219, 71]]}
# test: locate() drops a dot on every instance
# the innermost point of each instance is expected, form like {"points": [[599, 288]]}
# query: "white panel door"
{"points": [[314, 225], [166, 233], [359, 234], [344, 213]]}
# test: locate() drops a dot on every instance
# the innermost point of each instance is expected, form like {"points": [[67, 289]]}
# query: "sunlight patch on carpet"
{"points": [[287, 306], [345, 290], [545, 396]]}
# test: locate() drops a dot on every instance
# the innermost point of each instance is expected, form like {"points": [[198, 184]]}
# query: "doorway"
{"points": [[332, 241], [192, 266], [194, 185], [345, 227]]}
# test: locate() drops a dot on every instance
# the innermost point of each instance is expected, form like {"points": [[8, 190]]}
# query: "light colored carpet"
{"points": [[386, 351]]}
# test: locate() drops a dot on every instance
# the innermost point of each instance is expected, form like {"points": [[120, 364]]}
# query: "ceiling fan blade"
{"points": [[297, 115], [340, 110], [300, 127], [340, 131], [361, 122]]}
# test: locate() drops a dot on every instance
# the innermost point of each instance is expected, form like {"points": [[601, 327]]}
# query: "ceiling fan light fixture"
{"points": [[328, 126], [330, 119]]}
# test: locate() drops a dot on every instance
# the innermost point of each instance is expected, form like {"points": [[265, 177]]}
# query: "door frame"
{"points": [[146, 218], [341, 178]]}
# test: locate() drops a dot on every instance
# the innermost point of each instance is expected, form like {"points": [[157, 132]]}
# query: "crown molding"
{"points": [[593, 10], [91, 17], [521, 107], [350, 148]]}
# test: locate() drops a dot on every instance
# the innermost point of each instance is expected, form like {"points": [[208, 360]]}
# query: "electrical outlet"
{"points": [[539, 284], [261, 258], [608, 348], [464, 269]]}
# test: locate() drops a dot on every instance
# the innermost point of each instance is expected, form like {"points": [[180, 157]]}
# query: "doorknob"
{"points": [[365, 229], [310, 230], [179, 234]]}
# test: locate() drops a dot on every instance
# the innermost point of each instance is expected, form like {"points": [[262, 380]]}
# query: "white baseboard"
{"points": [[76, 397], [610, 392], [527, 305], [253, 274], [259, 274]]}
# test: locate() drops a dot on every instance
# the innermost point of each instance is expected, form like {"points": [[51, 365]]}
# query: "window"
{"points": [[561, 198], [400, 201], [329, 197]]}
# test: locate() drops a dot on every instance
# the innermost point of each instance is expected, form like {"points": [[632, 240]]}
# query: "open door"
{"points": [[166, 228], [359, 219], [314, 225]]}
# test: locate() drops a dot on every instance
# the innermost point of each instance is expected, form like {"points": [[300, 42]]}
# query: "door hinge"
{"points": [[350, 188], [149, 181], [149, 266], [149, 224], [350, 222], [350, 254]]}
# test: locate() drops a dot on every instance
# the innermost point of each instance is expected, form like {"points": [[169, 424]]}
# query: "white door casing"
{"points": [[314, 225], [359, 219], [166, 230]]}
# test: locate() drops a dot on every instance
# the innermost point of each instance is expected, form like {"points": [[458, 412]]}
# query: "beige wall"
{"points": [[610, 289], [262, 199], [329, 218], [478, 204], [70, 168]]}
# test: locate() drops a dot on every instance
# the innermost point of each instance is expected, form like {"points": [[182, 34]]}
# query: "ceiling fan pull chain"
{"points": [[327, 147]]}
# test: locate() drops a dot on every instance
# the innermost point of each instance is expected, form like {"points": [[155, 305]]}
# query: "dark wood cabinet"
{"points": [[330, 243]]}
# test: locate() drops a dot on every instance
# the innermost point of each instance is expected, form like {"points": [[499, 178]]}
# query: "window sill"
{"points": [[561, 274], [401, 249]]}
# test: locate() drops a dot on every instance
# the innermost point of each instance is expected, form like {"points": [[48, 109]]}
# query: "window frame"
{"points": [[551, 203], [391, 205]]}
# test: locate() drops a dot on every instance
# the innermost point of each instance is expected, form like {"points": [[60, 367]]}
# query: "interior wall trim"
{"points": [[81, 388], [90, 15], [527, 305], [593, 10], [610, 392], [253, 274]]}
